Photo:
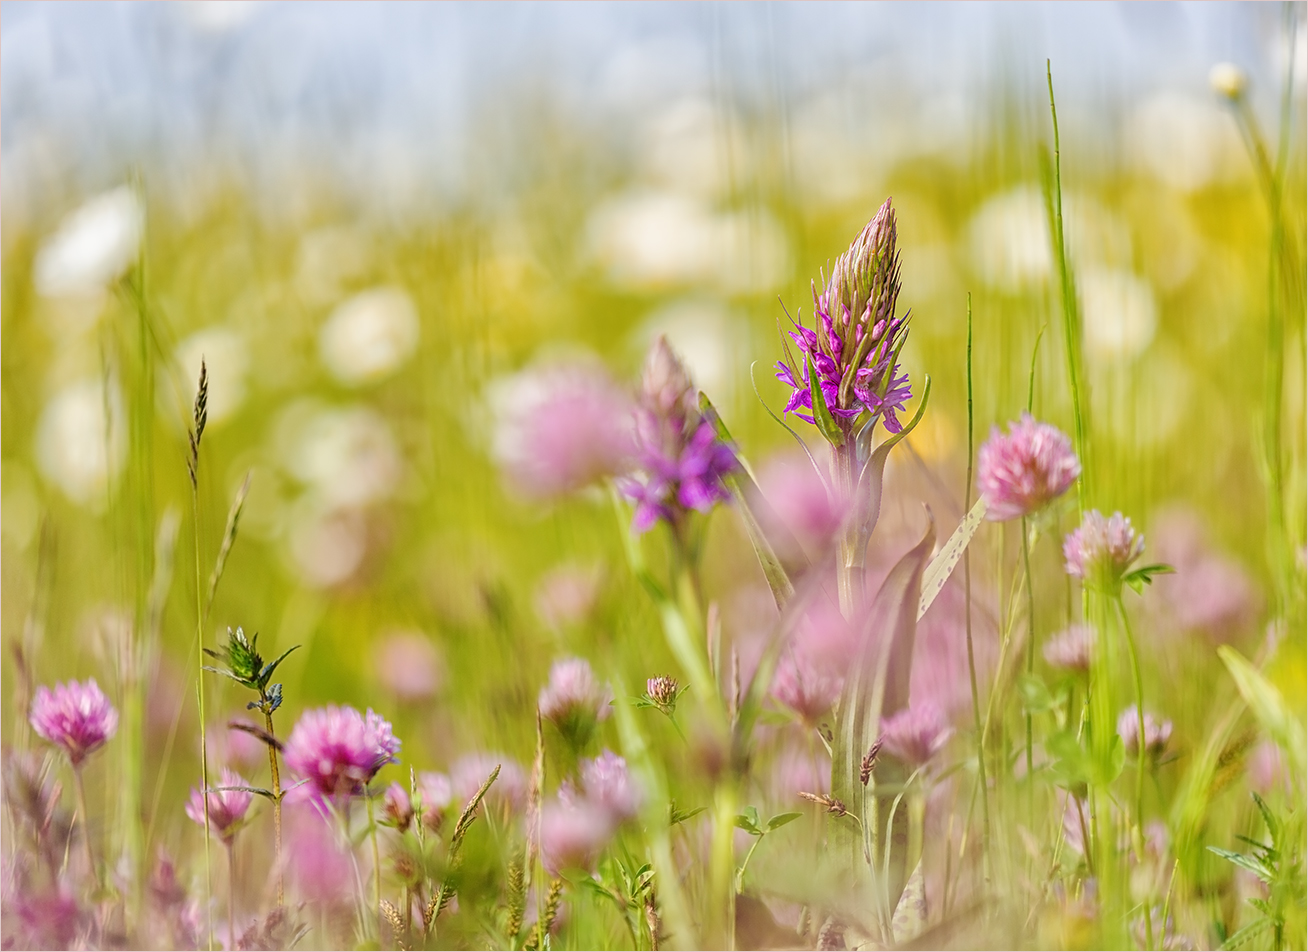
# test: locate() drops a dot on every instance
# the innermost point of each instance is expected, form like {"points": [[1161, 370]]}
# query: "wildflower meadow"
{"points": [[751, 538]]}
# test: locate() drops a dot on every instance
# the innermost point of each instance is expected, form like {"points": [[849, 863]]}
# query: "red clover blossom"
{"points": [[1101, 549], [1020, 473], [75, 716], [338, 750], [227, 808]]}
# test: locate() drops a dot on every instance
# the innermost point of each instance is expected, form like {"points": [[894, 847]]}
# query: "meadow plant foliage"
{"points": [[887, 688]]}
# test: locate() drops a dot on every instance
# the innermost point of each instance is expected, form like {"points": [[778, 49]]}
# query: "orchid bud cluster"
{"points": [[854, 348]]}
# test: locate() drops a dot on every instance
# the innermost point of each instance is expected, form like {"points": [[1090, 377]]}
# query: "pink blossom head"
{"points": [[409, 665], [397, 809], [435, 794], [1157, 733], [574, 700], [1020, 473], [562, 428], [607, 785], [1101, 549], [566, 595], [572, 836], [338, 750], [804, 686], [915, 734], [1071, 649], [75, 716], [227, 807]]}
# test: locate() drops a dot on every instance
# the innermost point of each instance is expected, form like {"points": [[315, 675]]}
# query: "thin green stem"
{"points": [[1030, 634], [1071, 323], [277, 813], [1141, 750], [967, 595], [231, 895], [376, 865], [199, 695], [80, 788], [740, 873]]}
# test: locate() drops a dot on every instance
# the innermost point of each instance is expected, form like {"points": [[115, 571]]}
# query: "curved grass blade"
{"points": [[938, 572]]}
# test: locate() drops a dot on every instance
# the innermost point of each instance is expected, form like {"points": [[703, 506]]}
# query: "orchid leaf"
{"points": [[757, 513], [872, 476], [826, 423], [875, 687], [942, 566]]}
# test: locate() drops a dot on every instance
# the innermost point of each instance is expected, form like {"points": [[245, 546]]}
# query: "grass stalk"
{"points": [[199, 418], [967, 596]]}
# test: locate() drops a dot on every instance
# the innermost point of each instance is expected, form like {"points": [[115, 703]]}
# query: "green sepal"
{"points": [[1139, 578]]}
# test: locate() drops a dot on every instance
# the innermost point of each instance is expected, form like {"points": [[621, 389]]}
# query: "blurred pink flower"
{"points": [[1210, 592], [1157, 733], [607, 784], [435, 790], [227, 808], [803, 686], [397, 810], [1020, 473], [800, 498], [562, 428], [575, 700], [1267, 770], [319, 869], [795, 768], [915, 734], [234, 747], [338, 750], [572, 836], [469, 772], [566, 594], [1071, 648], [409, 665], [1101, 549], [75, 716]]}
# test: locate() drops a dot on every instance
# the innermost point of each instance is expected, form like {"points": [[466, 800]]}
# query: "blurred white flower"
{"points": [[346, 456], [328, 259], [1186, 142], [219, 16], [653, 239], [93, 246], [81, 440], [1010, 240], [226, 357], [369, 335], [687, 149], [1011, 246], [1118, 313], [1228, 80]]}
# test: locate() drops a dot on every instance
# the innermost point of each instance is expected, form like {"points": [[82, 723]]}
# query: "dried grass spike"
{"points": [[392, 917]]}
